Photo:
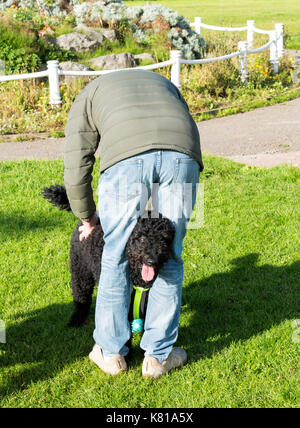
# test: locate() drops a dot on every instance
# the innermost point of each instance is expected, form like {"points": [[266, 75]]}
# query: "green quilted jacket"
{"points": [[124, 113]]}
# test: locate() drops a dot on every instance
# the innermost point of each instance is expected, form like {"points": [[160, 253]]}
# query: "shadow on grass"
{"points": [[224, 308], [17, 224], [236, 305], [39, 345]]}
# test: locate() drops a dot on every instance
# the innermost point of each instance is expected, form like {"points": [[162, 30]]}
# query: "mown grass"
{"points": [[241, 293]]}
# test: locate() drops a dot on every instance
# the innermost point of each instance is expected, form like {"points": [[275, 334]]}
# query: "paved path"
{"points": [[266, 136], [50, 148]]}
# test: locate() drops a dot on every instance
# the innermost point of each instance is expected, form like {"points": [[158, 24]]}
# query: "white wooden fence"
{"points": [[275, 44]]}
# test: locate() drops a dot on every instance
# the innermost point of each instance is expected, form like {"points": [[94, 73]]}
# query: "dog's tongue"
{"points": [[147, 273]]}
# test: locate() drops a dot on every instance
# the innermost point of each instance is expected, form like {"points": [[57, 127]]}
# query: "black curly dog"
{"points": [[147, 249]]}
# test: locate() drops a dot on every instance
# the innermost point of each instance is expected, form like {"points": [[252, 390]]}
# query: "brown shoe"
{"points": [[152, 368], [115, 364]]}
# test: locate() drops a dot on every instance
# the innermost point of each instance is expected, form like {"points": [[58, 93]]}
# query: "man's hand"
{"points": [[87, 227]]}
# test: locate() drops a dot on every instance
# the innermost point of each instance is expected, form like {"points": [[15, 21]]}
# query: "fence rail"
{"points": [[275, 44], [250, 28]]}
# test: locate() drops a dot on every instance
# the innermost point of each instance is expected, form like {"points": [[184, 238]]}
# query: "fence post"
{"points": [[175, 70], [198, 22], [243, 61], [250, 32], [55, 99], [274, 61], [279, 32]]}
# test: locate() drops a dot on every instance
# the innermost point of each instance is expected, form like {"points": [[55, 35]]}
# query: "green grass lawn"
{"points": [[236, 12], [241, 294]]}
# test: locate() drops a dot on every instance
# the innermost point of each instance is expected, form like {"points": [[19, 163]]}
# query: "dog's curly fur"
{"points": [[149, 244]]}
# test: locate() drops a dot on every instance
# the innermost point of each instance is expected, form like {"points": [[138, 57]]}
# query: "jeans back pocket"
{"points": [[123, 181]]}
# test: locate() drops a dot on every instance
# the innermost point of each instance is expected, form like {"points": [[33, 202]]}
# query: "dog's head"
{"points": [[149, 247]]}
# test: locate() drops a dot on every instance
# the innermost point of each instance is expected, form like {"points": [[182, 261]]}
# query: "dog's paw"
{"points": [[77, 322], [80, 315]]}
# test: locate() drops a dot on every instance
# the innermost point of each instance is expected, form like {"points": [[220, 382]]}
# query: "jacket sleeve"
{"points": [[82, 139]]}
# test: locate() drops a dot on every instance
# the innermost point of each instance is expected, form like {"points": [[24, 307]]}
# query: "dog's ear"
{"points": [[168, 238], [168, 233]]}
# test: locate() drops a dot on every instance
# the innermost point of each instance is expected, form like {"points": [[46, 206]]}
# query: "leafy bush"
{"points": [[218, 84], [216, 79], [21, 48], [16, 46], [261, 74], [23, 105], [18, 61], [140, 21], [144, 20], [16, 33]]}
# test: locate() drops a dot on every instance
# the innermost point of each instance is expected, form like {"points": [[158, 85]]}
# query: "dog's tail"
{"points": [[57, 196]]}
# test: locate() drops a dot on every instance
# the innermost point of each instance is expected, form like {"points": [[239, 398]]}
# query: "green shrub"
{"points": [[16, 34], [16, 46], [21, 48], [48, 51], [18, 61]]}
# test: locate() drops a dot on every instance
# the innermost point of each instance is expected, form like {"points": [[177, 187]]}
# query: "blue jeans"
{"points": [[124, 190]]}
